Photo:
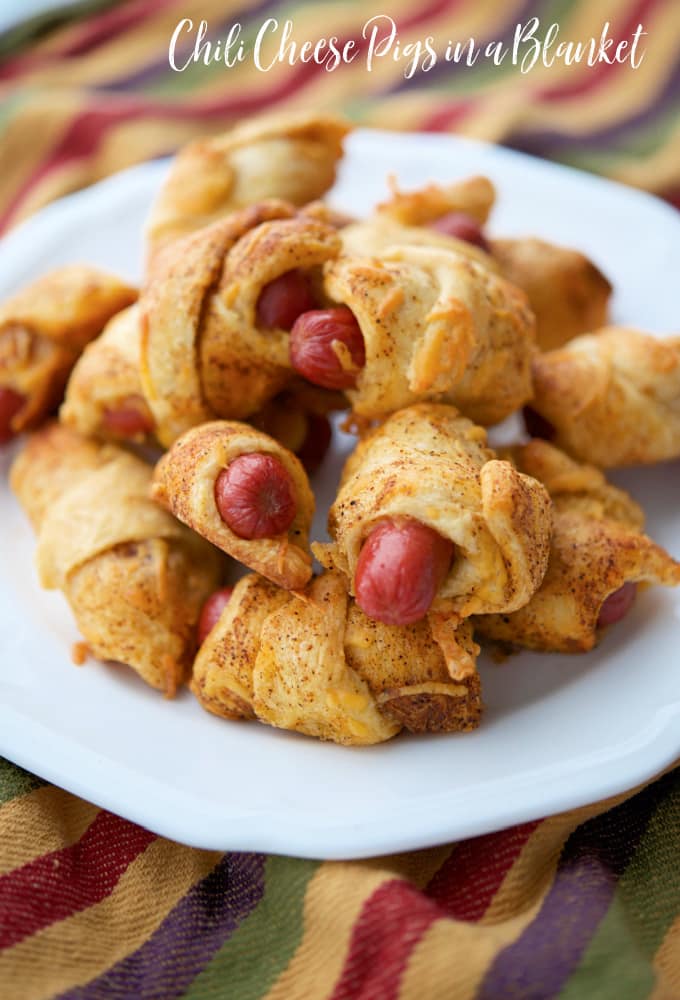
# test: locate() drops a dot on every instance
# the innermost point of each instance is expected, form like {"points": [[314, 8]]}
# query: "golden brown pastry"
{"points": [[473, 196], [598, 553], [208, 349], [566, 291], [410, 218], [568, 294], [427, 520], [436, 325], [291, 157], [43, 329], [611, 398], [104, 396], [313, 663], [378, 234], [245, 493], [135, 578]]}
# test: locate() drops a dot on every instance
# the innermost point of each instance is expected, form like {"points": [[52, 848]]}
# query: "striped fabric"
{"points": [[582, 905]]}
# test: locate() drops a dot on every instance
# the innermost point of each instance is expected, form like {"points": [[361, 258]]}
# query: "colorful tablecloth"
{"points": [[581, 905]]}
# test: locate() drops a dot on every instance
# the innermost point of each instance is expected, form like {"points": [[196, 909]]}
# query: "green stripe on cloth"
{"points": [[26, 32], [242, 963], [14, 781], [644, 907]]}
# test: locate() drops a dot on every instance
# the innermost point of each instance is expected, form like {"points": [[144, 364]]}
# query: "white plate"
{"points": [[558, 732]]}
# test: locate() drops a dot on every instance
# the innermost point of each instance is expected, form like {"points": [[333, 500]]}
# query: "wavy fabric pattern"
{"points": [[585, 904]]}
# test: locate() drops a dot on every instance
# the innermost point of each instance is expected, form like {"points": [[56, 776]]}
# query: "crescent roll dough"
{"points": [[135, 578], [568, 294], [566, 291], [315, 664], [184, 482], [597, 546], [612, 397], [473, 195], [404, 219], [203, 353], [429, 463], [106, 380], [292, 157], [380, 233], [436, 325], [45, 326]]}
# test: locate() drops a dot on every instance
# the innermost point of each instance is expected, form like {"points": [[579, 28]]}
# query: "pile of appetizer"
{"points": [[262, 312]]}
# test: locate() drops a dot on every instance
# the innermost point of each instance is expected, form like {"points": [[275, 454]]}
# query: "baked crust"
{"points": [[292, 157], [567, 293], [313, 663], [613, 397], [473, 195], [429, 463], [135, 578], [203, 354], [597, 546], [45, 326], [184, 483], [105, 378], [437, 325]]}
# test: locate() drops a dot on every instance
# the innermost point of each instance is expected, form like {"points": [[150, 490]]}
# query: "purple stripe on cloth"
{"points": [[445, 71], [194, 930], [539, 963], [549, 141]]}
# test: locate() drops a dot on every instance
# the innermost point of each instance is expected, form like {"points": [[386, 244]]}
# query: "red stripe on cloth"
{"points": [[103, 27], [594, 76], [64, 882], [390, 925], [446, 117], [88, 128], [472, 874], [395, 918]]}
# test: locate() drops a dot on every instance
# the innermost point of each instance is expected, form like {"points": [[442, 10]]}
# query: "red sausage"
{"points": [[255, 496], [617, 605], [401, 567], [283, 299], [10, 404], [211, 611], [327, 347], [464, 227], [129, 418], [316, 441], [536, 425]]}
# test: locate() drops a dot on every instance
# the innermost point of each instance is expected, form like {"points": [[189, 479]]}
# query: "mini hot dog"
{"points": [[217, 313], [400, 569], [243, 491], [435, 325], [427, 519], [327, 347]]}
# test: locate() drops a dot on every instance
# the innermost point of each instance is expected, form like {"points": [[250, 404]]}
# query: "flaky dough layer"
{"points": [[184, 483], [429, 463]]}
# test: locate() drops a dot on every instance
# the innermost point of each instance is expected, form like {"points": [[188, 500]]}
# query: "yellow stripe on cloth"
{"points": [[43, 821], [44, 122], [334, 900], [667, 964], [75, 950]]}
